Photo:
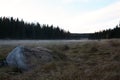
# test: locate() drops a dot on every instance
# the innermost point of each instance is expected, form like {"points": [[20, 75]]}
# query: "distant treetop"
{"points": [[11, 28]]}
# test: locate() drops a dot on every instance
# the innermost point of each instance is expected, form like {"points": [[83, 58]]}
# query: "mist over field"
{"points": [[39, 42]]}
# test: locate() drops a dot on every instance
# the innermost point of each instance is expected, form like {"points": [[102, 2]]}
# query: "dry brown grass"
{"points": [[93, 60], [4, 50]]}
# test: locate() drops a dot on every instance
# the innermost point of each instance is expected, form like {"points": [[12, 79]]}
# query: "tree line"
{"points": [[11, 28], [107, 34]]}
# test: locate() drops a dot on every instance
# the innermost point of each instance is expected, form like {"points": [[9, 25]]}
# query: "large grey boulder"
{"points": [[16, 58], [27, 58]]}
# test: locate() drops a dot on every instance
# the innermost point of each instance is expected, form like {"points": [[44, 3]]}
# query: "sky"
{"points": [[77, 16]]}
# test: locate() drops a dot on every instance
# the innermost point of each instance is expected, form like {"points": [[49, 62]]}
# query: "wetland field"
{"points": [[87, 60]]}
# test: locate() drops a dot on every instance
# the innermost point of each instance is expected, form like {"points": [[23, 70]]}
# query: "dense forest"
{"points": [[11, 28], [107, 34]]}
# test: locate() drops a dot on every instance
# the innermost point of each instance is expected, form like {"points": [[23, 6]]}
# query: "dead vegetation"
{"points": [[92, 60]]}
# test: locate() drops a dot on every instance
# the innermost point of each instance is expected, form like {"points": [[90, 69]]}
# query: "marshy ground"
{"points": [[87, 60]]}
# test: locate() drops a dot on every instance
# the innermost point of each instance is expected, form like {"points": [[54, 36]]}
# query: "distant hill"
{"points": [[80, 35]]}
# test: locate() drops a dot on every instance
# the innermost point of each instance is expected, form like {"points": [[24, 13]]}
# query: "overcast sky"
{"points": [[77, 16]]}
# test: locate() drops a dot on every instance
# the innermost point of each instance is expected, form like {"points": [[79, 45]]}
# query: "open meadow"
{"points": [[86, 60]]}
